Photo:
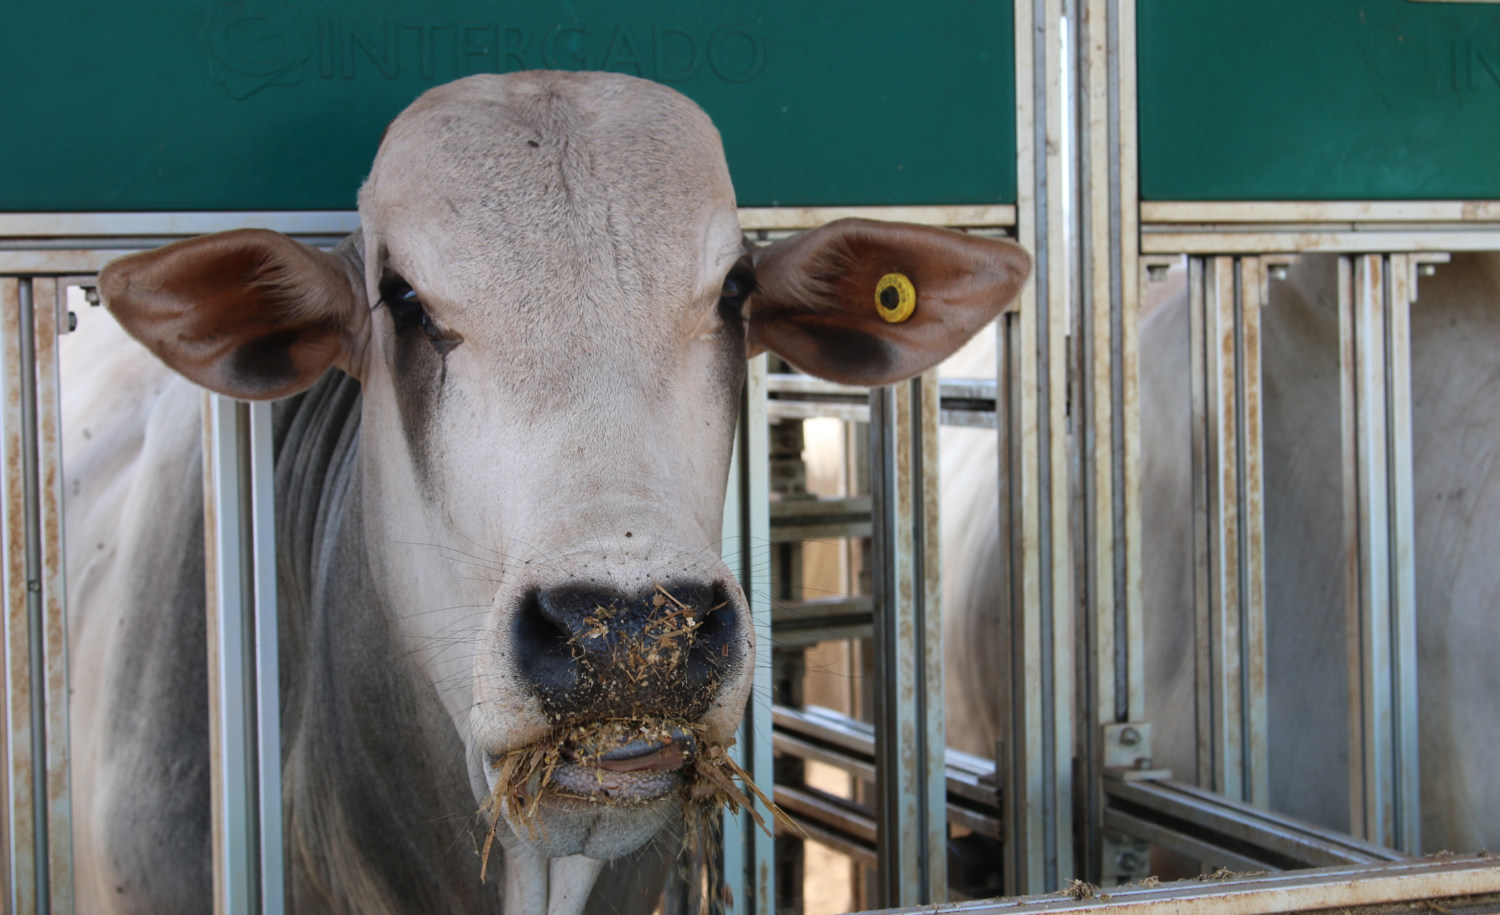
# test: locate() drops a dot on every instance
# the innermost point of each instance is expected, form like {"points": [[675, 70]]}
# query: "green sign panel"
{"points": [[279, 104], [1319, 100]]}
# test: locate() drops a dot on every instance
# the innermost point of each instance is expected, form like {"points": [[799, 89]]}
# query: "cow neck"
{"points": [[316, 439], [377, 789]]}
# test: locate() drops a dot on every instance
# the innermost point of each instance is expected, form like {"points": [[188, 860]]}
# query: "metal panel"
{"points": [[1375, 300], [1337, 100], [748, 856], [280, 105], [910, 737]]}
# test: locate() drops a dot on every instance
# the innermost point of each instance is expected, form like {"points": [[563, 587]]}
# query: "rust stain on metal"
{"points": [[50, 296], [18, 795]]}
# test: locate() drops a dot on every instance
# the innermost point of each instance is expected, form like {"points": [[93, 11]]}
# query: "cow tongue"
{"points": [[640, 754], [633, 748]]}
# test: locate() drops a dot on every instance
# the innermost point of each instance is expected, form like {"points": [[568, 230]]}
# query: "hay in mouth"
{"points": [[561, 767]]}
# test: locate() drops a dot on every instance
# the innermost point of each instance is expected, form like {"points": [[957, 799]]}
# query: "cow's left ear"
{"points": [[869, 303], [250, 313]]}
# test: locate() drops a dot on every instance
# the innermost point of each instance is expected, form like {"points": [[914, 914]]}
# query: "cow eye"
{"points": [[738, 286], [405, 307]]}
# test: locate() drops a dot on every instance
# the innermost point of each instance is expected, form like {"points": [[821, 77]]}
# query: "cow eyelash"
{"points": [[738, 286], [407, 312]]}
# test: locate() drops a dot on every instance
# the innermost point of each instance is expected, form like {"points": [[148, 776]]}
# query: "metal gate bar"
{"points": [[1225, 296], [1108, 386], [1036, 759], [1451, 878], [1375, 295], [39, 830], [1211, 828], [244, 710], [749, 855], [910, 738]]}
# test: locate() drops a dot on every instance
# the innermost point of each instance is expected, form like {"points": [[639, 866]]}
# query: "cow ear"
{"points": [[870, 303], [249, 313]]}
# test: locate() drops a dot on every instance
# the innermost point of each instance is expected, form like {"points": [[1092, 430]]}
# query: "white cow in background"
{"points": [[499, 481], [1456, 418]]}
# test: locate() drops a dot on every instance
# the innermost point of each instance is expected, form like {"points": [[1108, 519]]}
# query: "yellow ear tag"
{"points": [[895, 297]]}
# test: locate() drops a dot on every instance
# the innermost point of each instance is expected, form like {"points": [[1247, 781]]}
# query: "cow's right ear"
{"points": [[864, 302], [250, 313]]}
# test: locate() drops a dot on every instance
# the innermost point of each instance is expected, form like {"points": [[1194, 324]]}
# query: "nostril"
{"points": [[538, 629], [715, 643], [542, 643]]}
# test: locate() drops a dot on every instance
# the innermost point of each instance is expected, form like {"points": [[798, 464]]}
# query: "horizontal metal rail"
{"points": [[808, 622], [1226, 833], [962, 401], [1466, 884], [820, 519], [843, 825], [825, 736]]}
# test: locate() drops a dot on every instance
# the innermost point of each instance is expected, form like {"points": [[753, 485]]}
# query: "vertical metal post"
{"points": [[230, 703], [910, 739], [1108, 309], [1225, 297], [39, 826], [245, 743], [749, 855], [1035, 766], [1375, 293], [1255, 754], [267, 677], [26, 826], [49, 311]]}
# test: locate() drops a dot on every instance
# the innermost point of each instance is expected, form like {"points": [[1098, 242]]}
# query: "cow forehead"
{"points": [[581, 175]]}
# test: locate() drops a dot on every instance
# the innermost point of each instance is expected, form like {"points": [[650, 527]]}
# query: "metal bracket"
{"points": [[1125, 860], [1127, 753], [1276, 266], [1425, 265]]}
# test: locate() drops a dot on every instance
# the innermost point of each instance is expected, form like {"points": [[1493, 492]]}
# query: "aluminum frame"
{"points": [[1108, 386], [1036, 763], [910, 739], [1375, 297], [748, 856], [244, 706], [38, 830], [1225, 296]]}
